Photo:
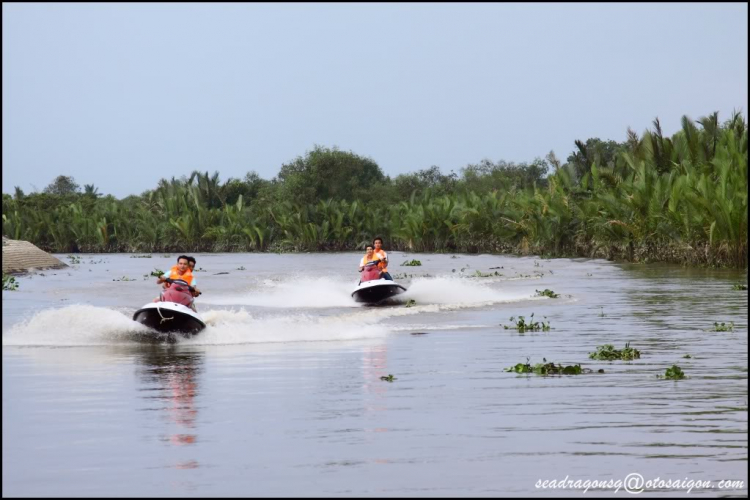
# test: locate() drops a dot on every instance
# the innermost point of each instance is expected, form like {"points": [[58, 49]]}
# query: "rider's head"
{"points": [[369, 249], [182, 263], [378, 242], [191, 263]]}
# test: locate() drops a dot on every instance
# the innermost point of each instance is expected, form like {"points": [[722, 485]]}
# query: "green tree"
{"points": [[63, 184], [325, 173]]}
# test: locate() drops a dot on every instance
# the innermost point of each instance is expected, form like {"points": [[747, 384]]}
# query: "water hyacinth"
{"points": [[674, 373], [9, 283], [607, 352], [549, 368], [413, 262], [532, 326]]}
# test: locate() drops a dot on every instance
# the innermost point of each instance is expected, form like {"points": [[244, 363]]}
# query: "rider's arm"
{"points": [[195, 287]]}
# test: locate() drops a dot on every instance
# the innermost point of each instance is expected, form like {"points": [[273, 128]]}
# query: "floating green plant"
{"points": [[140, 256], [9, 283], [480, 274], [674, 373], [607, 352], [532, 326], [124, 278], [413, 262], [74, 259], [739, 287], [411, 303], [157, 272], [199, 270], [722, 327], [241, 268], [389, 378], [546, 368], [687, 356], [547, 293]]}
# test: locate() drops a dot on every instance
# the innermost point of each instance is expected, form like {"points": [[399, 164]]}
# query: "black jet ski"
{"points": [[372, 289], [171, 317]]}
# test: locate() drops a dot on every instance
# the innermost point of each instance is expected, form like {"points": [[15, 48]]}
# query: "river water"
{"points": [[281, 394]]}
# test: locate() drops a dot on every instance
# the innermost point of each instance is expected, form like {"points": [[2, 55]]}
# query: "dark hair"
{"points": [[191, 259], [369, 246], [183, 257], [376, 239]]}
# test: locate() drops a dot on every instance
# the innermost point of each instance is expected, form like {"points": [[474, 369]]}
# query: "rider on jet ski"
{"points": [[182, 272], [369, 258]]}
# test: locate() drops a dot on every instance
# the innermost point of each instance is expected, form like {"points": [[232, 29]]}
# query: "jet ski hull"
{"points": [[169, 321], [374, 291]]}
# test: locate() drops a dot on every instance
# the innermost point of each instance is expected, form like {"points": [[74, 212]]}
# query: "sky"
{"points": [[122, 95]]}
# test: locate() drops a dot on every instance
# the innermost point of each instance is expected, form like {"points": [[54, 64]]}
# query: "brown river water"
{"points": [[281, 394]]}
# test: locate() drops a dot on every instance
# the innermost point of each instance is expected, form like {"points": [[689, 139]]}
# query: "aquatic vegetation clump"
{"points": [[140, 256], [480, 274], [389, 378], [722, 327], [532, 326], [413, 262], [546, 368], [124, 278], [673, 373], [607, 352], [411, 303], [9, 283], [547, 293], [157, 272], [739, 287], [74, 259]]}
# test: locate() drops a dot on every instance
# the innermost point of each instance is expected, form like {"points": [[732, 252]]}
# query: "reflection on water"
{"points": [[169, 379]]}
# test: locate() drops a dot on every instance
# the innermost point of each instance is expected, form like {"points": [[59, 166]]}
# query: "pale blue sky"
{"points": [[121, 95]]}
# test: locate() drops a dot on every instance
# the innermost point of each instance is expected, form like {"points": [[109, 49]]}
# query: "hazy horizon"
{"points": [[122, 95]]}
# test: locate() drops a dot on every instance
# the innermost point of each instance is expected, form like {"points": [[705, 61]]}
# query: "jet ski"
{"points": [[372, 288], [172, 316]]}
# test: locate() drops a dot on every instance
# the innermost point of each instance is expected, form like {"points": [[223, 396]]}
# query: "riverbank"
{"points": [[20, 257]]}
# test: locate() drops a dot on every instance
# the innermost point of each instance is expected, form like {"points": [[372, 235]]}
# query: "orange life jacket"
{"points": [[365, 260], [380, 254], [174, 273]]}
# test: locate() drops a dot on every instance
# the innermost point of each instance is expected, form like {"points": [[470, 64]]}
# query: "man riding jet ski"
{"points": [[173, 311], [372, 286]]}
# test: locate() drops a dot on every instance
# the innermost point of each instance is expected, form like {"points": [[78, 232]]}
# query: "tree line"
{"points": [[650, 198]]}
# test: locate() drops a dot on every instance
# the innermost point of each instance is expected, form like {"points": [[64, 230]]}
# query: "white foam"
{"points": [[89, 325], [73, 325], [240, 327], [296, 293], [459, 292]]}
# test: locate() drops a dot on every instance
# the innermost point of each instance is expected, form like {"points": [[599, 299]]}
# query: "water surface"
{"points": [[281, 395]]}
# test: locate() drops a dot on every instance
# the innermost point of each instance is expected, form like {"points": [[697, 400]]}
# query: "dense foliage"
{"points": [[677, 199]]}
